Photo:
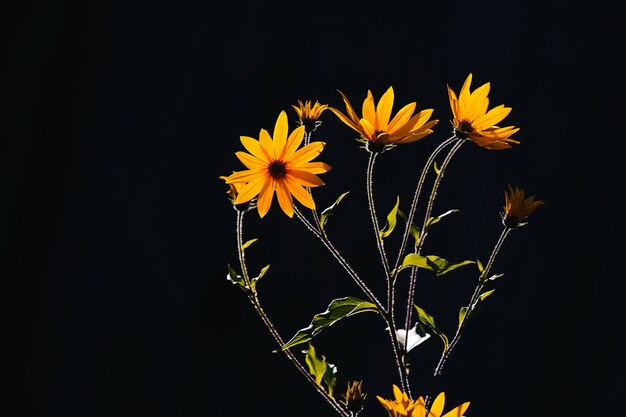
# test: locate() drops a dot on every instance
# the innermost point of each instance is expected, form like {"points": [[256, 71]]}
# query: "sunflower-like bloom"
{"points": [[402, 406], [472, 120], [275, 164], [517, 207], [354, 396], [375, 127], [308, 114]]}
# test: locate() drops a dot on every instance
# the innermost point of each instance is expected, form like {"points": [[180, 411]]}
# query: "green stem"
{"points": [[253, 297], [423, 231], [404, 381], [470, 309]]}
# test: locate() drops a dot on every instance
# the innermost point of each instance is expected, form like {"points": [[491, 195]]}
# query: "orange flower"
{"points": [[275, 164], [308, 115], [402, 406], [472, 120], [375, 127], [517, 208]]}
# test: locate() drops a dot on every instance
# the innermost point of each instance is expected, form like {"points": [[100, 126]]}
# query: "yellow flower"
{"points": [[308, 115], [472, 120], [402, 406], [375, 127], [275, 164], [517, 208], [354, 396]]}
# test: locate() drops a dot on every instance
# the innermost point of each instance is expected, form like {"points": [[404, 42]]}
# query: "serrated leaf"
{"points": [[436, 219], [248, 243], [429, 321], [330, 210], [391, 220], [433, 263], [338, 309]]}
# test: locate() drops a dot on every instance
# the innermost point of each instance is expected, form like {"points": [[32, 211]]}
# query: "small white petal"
{"points": [[414, 338]]}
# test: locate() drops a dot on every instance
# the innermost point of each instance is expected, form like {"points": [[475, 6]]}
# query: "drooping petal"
{"points": [[250, 190], [266, 194], [284, 198], [351, 113], [300, 193]]}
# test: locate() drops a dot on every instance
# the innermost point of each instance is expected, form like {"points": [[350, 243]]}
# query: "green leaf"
{"points": [[485, 295], [322, 371], [248, 243], [462, 314], [236, 279], [391, 221], [337, 310], [261, 274], [429, 321], [413, 229], [433, 263], [330, 210], [436, 219], [437, 170], [317, 365]]}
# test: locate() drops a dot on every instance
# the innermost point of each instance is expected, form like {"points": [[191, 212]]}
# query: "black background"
{"points": [[119, 117]]}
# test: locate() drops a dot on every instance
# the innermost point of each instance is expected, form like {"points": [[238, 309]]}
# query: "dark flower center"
{"points": [[466, 126], [277, 169]]}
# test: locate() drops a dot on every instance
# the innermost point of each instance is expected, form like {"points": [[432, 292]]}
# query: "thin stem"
{"points": [[416, 196], [355, 277], [307, 140], [404, 380], [423, 230], [253, 297], [483, 279]]}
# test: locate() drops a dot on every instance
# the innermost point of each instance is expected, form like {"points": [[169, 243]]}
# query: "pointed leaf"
{"points": [[437, 170], [337, 310], [391, 220], [429, 321], [431, 262], [317, 365], [248, 243], [413, 229], [436, 219], [261, 274], [330, 210], [462, 314]]}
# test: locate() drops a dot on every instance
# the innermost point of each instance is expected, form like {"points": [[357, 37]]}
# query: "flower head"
{"points": [[355, 397], [473, 121], [517, 207], [375, 127], [233, 192], [403, 406], [275, 164], [308, 115]]}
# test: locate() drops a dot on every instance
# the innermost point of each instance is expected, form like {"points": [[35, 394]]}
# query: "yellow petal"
{"points": [[305, 178], [284, 198], [383, 110], [250, 161], [438, 404], [253, 146], [464, 94], [266, 194], [367, 130], [476, 102], [403, 116], [300, 193], [250, 190], [305, 154], [293, 142], [267, 144], [458, 411], [369, 110], [351, 113], [281, 128]]}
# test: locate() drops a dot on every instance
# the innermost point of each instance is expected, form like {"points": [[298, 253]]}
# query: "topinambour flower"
{"points": [[472, 120], [277, 165], [518, 207], [376, 128], [403, 406]]}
